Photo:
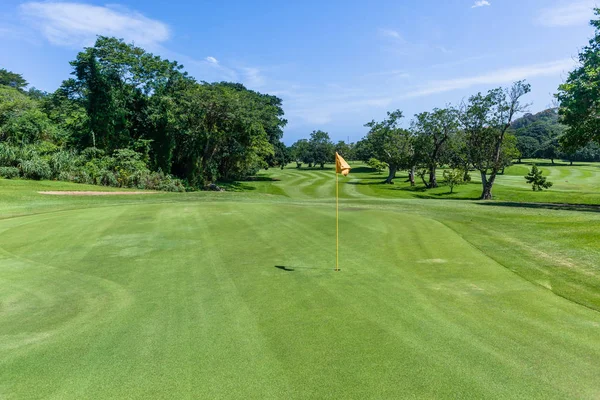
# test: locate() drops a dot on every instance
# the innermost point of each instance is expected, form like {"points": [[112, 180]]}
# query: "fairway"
{"points": [[233, 295]]}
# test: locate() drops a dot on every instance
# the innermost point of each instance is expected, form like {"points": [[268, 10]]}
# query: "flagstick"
{"points": [[337, 224]]}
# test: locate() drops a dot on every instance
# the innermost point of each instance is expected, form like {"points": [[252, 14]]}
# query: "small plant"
{"points": [[9, 172], [377, 165], [538, 182], [454, 177]]}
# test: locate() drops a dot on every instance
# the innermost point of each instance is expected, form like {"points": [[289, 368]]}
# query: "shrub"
{"points": [[63, 161], [538, 182], [454, 177], [36, 168], [9, 172], [377, 165], [8, 155]]}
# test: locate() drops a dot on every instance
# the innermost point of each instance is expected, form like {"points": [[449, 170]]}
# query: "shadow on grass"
{"points": [[291, 269], [284, 268], [444, 196], [358, 170], [235, 186], [546, 206], [261, 179]]}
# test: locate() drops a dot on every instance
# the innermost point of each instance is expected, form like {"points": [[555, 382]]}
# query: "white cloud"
{"points": [[498, 77], [481, 3], [212, 60], [253, 78], [390, 33], [77, 24], [578, 12]]}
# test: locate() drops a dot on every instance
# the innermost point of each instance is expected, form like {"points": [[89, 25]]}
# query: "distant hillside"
{"points": [[538, 136]]}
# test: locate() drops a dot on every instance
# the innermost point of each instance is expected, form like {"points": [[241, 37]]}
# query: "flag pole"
{"points": [[337, 223]]}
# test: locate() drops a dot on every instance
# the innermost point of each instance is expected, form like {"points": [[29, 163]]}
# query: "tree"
{"points": [[433, 130], [363, 150], [219, 134], [578, 96], [22, 120], [300, 152], [486, 120], [12, 79], [453, 177], [537, 181], [391, 144], [551, 149], [527, 147], [321, 148], [344, 149]]}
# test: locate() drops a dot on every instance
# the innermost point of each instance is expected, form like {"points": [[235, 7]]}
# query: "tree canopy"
{"points": [[123, 97]]}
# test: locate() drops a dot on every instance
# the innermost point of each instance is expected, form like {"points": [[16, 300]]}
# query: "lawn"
{"points": [[233, 295]]}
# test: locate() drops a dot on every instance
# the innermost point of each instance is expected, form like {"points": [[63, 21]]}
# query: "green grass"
{"points": [[178, 295]]}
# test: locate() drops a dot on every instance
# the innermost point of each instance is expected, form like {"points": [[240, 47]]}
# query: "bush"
{"points": [[36, 168], [538, 182], [454, 177], [377, 165], [9, 172], [63, 161]]}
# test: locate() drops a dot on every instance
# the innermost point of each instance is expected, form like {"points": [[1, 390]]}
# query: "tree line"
{"points": [[473, 136], [129, 118]]}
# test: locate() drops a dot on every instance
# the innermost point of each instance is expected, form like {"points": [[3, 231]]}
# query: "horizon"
{"points": [[336, 66]]}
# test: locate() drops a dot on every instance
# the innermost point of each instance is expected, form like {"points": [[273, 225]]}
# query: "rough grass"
{"points": [[179, 295]]}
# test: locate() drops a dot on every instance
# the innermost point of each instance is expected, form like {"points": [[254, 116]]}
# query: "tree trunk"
{"points": [[298, 164], [552, 160], [487, 186], [411, 176], [483, 183], [322, 165], [392, 174], [571, 163], [432, 177], [424, 181]]}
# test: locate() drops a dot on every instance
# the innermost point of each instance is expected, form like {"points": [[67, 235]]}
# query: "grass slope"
{"points": [[178, 295]]}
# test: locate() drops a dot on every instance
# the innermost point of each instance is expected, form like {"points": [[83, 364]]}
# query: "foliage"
{"points": [[578, 96], [377, 165], [321, 148], [537, 181], [9, 172], [433, 131], [148, 115], [391, 144], [11, 79], [317, 150], [454, 177], [485, 120]]}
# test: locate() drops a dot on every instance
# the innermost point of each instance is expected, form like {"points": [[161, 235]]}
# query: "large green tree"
{"points": [[14, 80], [579, 96], [321, 148], [391, 144], [433, 131], [486, 119]]}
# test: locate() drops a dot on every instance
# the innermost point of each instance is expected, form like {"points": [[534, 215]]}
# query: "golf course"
{"points": [[234, 295]]}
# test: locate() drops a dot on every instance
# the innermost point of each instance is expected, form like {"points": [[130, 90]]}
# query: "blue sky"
{"points": [[336, 64]]}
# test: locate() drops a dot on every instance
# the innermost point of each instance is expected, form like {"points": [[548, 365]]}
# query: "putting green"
{"points": [[183, 299]]}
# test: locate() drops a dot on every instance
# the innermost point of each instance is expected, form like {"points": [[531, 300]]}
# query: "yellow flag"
{"points": [[341, 166]]}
